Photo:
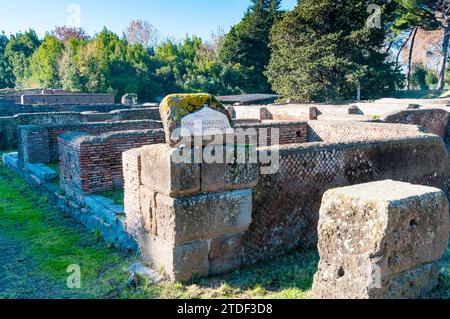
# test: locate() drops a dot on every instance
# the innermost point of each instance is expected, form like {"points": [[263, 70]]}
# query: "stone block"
{"points": [[170, 171], [229, 168], [265, 114], [202, 217], [225, 254], [354, 110], [43, 173], [148, 209], [313, 113], [183, 115], [180, 263], [11, 160], [375, 240]]}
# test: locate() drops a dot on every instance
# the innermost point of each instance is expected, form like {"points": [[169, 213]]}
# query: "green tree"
{"points": [[246, 46], [316, 60], [193, 66], [19, 49], [412, 15], [6, 76], [69, 74], [44, 63]]}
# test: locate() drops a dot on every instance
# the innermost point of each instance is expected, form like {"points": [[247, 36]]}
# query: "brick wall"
{"points": [[434, 121], [124, 115], [9, 125], [34, 145], [131, 162], [98, 98], [92, 164], [344, 131], [289, 132], [52, 133], [11, 108], [70, 115], [286, 204]]}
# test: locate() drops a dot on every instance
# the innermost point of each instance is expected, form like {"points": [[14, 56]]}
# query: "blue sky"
{"points": [[174, 18]]}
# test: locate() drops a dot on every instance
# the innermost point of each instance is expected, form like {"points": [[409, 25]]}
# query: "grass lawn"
{"points": [[38, 243]]}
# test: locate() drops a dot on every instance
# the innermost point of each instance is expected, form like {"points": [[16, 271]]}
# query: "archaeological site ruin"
{"points": [[210, 186]]}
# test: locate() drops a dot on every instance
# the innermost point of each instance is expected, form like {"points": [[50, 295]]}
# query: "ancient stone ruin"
{"points": [[381, 240], [198, 218]]}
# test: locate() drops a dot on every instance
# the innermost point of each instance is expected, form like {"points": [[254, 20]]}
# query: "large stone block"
{"points": [[372, 237], [170, 171], [180, 263], [200, 217], [225, 254], [186, 116], [230, 167]]}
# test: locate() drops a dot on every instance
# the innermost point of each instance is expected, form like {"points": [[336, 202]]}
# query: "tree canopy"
{"points": [[323, 50], [246, 46], [315, 60]]}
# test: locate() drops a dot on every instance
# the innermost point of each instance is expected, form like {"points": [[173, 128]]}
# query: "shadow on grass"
{"points": [[290, 276]]}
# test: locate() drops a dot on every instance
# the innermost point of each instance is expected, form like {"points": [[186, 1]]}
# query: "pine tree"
{"points": [[246, 46], [324, 50]]}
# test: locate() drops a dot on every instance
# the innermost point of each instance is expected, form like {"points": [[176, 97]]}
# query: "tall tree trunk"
{"points": [[443, 67], [410, 53], [401, 49]]}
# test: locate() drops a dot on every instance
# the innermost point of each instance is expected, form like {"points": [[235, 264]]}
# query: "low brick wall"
{"points": [[345, 131], [92, 164], [289, 132], [43, 140], [123, 115], [286, 204], [10, 108], [9, 125], [73, 115], [97, 98], [434, 121]]}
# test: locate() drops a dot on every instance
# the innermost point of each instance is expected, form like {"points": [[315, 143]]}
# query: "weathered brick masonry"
{"points": [[286, 204], [92, 164], [74, 115], [288, 132], [434, 121], [95, 98], [9, 125], [10, 108], [337, 131], [34, 143]]}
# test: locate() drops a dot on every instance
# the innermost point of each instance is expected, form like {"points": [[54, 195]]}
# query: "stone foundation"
{"points": [[186, 220]]}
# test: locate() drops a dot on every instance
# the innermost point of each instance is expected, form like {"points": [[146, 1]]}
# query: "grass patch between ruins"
{"points": [[48, 241], [116, 196]]}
